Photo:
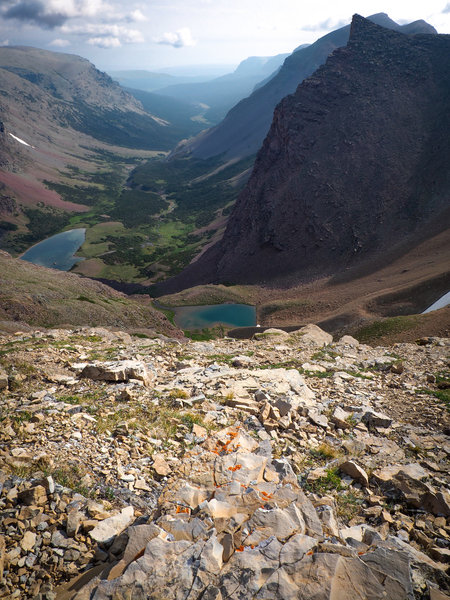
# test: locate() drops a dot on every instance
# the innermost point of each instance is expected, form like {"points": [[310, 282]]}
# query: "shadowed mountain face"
{"points": [[356, 164], [242, 131]]}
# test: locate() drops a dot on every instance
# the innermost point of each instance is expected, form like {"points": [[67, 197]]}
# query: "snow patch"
{"points": [[160, 121], [20, 141]]}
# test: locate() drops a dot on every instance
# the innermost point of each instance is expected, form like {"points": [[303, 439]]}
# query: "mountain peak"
{"points": [[355, 165]]}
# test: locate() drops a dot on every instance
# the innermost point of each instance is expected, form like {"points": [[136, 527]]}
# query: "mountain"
{"points": [[222, 93], [34, 295], [64, 90], [69, 136], [150, 81], [244, 128], [355, 167], [185, 118]]}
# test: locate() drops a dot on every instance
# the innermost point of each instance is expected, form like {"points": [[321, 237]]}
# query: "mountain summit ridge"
{"points": [[244, 128], [355, 162]]}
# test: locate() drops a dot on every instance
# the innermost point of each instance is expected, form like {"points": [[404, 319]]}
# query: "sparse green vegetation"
{"points": [[69, 475], [325, 354], [392, 325], [325, 452], [322, 485], [85, 299], [348, 505], [42, 223], [205, 334]]}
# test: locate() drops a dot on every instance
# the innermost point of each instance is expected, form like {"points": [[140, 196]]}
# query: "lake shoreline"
{"points": [[57, 251]]}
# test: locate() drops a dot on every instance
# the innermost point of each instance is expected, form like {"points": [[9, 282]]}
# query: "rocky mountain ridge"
{"points": [[242, 131], [355, 165], [289, 466]]}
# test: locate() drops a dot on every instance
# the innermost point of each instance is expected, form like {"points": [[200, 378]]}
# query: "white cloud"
{"points": [[137, 16], [105, 42], [178, 39], [106, 30], [4, 43], [60, 43]]}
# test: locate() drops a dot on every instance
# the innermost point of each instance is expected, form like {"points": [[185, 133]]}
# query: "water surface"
{"points": [[199, 317], [57, 252]]}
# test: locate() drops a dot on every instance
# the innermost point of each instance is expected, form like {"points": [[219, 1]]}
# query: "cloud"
{"points": [[105, 42], [178, 39], [34, 11], [4, 43], [327, 25], [60, 43], [115, 35], [52, 13], [136, 16], [447, 8]]}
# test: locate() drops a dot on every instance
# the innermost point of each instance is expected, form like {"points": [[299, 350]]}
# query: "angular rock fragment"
{"points": [[356, 472], [122, 370], [106, 530], [312, 335]]}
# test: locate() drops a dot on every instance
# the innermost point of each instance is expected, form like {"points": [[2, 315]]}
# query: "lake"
{"points": [[57, 252], [199, 317]]}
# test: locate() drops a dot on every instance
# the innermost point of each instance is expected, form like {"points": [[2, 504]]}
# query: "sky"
{"points": [[157, 34]]}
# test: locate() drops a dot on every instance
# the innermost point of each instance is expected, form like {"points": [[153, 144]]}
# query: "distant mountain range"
{"points": [[355, 167], [216, 94], [244, 128], [221, 93]]}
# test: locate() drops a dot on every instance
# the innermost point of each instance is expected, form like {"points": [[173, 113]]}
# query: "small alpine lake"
{"points": [[211, 315], [57, 251]]}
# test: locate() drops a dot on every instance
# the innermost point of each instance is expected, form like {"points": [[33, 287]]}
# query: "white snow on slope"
{"points": [[20, 141]]}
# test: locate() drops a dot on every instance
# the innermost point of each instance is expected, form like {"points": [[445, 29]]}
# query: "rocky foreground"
{"points": [[289, 466]]}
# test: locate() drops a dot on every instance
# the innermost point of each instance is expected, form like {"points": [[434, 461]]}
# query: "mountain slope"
{"points": [[69, 91], [69, 135], [45, 297], [242, 131], [222, 93], [356, 165]]}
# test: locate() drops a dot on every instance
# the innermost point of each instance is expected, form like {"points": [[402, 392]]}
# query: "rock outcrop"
{"points": [[314, 469]]}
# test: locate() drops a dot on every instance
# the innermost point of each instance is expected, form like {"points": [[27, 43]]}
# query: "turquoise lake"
{"points": [[231, 315], [57, 252]]}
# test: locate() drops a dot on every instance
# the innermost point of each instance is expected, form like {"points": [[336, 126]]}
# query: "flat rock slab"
{"points": [[106, 530], [120, 370]]}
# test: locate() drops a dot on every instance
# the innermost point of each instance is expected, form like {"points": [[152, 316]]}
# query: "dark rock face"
{"points": [[356, 162], [244, 128]]}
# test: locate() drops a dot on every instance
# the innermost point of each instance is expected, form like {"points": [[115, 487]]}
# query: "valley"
{"points": [[159, 210], [224, 329]]}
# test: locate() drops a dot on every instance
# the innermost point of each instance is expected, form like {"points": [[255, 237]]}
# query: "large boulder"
{"points": [[311, 335], [118, 370]]}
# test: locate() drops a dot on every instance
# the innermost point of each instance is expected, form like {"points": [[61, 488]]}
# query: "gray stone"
{"points": [[106, 530], [375, 419], [312, 335], [120, 370], [3, 379], [356, 472]]}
